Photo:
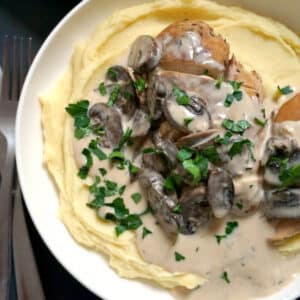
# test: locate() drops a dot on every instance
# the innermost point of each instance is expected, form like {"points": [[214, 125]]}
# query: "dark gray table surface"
{"points": [[36, 18]]}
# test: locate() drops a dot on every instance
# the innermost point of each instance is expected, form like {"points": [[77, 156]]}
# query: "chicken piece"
{"points": [[252, 82], [193, 47], [289, 111]]}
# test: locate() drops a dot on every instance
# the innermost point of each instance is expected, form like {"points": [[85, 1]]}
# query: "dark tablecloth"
{"points": [[36, 18]]}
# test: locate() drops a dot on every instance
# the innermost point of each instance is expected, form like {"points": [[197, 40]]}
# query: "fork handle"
{"points": [[6, 223], [27, 277]]}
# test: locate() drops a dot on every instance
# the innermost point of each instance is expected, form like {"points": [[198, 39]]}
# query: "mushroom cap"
{"points": [[191, 46], [289, 111]]}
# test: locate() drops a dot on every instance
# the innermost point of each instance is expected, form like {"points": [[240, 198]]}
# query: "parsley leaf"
{"points": [[236, 127], [237, 148], [224, 140], [117, 155], [181, 97], [290, 176], [219, 82], [114, 95], [225, 277], [146, 231], [187, 121], [125, 138], [211, 153], [112, 74], [260, 122], [177, 209], [102, 89], [236, 95], [93, 147], [184, 154], [190, 166], [122, 190], [178, 256], [133, 170], [284, 90], [84, 170], [140, 84], [136, 197], [172, 182], [230, 227], [102, 171]]}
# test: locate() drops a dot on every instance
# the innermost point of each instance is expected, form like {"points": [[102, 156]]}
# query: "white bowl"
{"points": [[40, 195]]}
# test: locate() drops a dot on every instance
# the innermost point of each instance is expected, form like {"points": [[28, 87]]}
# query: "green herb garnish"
{"points": [[136, 197], [237, 148], [181, 96], [122, 190], [184, 154], [211, 153], [84, 170], [230, 227], [225, 277], [224, 140], [172, 182], [290, 176], [260, 122], [93, 147], [146, 231], [102, 171], [112, 74], [114, 95], [219, 82], [187, 121], [284, 90], [102, 89], [236, 127], [177, 209], [140, 84], [178, 256], [125, 138], [192, 168], [236, 95]]}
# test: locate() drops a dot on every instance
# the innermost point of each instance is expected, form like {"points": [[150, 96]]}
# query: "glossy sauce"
{"points": [[254, 267]]}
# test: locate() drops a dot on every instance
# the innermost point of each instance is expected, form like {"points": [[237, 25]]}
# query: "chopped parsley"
{"points": [[102, 89], [140, 84], [93, 147], [219, 82], [237, 148], [102, 171], [79, 112], [237, 94], [116, 155], [112, 74], [230, 227], [211, 153], [236, 127], [260, 122], [187, 121], [178, 256], [146, 231], [225, 277], [125, 138], [290, 176], [239, 205], [224, 140], [191, 167], [185, 153], [177, 209], [181, 96], [122, 190], [84, 170], [172, 182], [136, 197], [114, 95], [284, 90], [133, 170]]}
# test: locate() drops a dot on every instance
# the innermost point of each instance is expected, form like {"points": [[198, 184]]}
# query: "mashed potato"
{"points": [[259, 43]]}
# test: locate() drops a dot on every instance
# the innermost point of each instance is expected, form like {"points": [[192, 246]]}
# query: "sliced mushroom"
{"points": [[156, 162], [196, 112], [282, 204], [167, 131], [157, 91], [145, 54], [285, 229], [140, 123], [167, 148], [194, 209], [198, 140], [110, 119], [277, 149], [193, 47], [252, 83], [119, 78], [162, 204], [220, 192]]}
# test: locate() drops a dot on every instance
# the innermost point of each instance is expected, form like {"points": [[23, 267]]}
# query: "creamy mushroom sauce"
{"points": [[253, 266]]}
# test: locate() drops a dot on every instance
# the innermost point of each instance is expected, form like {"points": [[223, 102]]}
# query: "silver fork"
{"points": [[11, 85]]}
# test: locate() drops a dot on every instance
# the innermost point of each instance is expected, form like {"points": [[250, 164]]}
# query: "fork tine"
{"points": [[5, 66], [15, 77]]}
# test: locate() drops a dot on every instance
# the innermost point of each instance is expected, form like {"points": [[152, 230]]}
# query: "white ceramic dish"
{"points": [[39, 192]]}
